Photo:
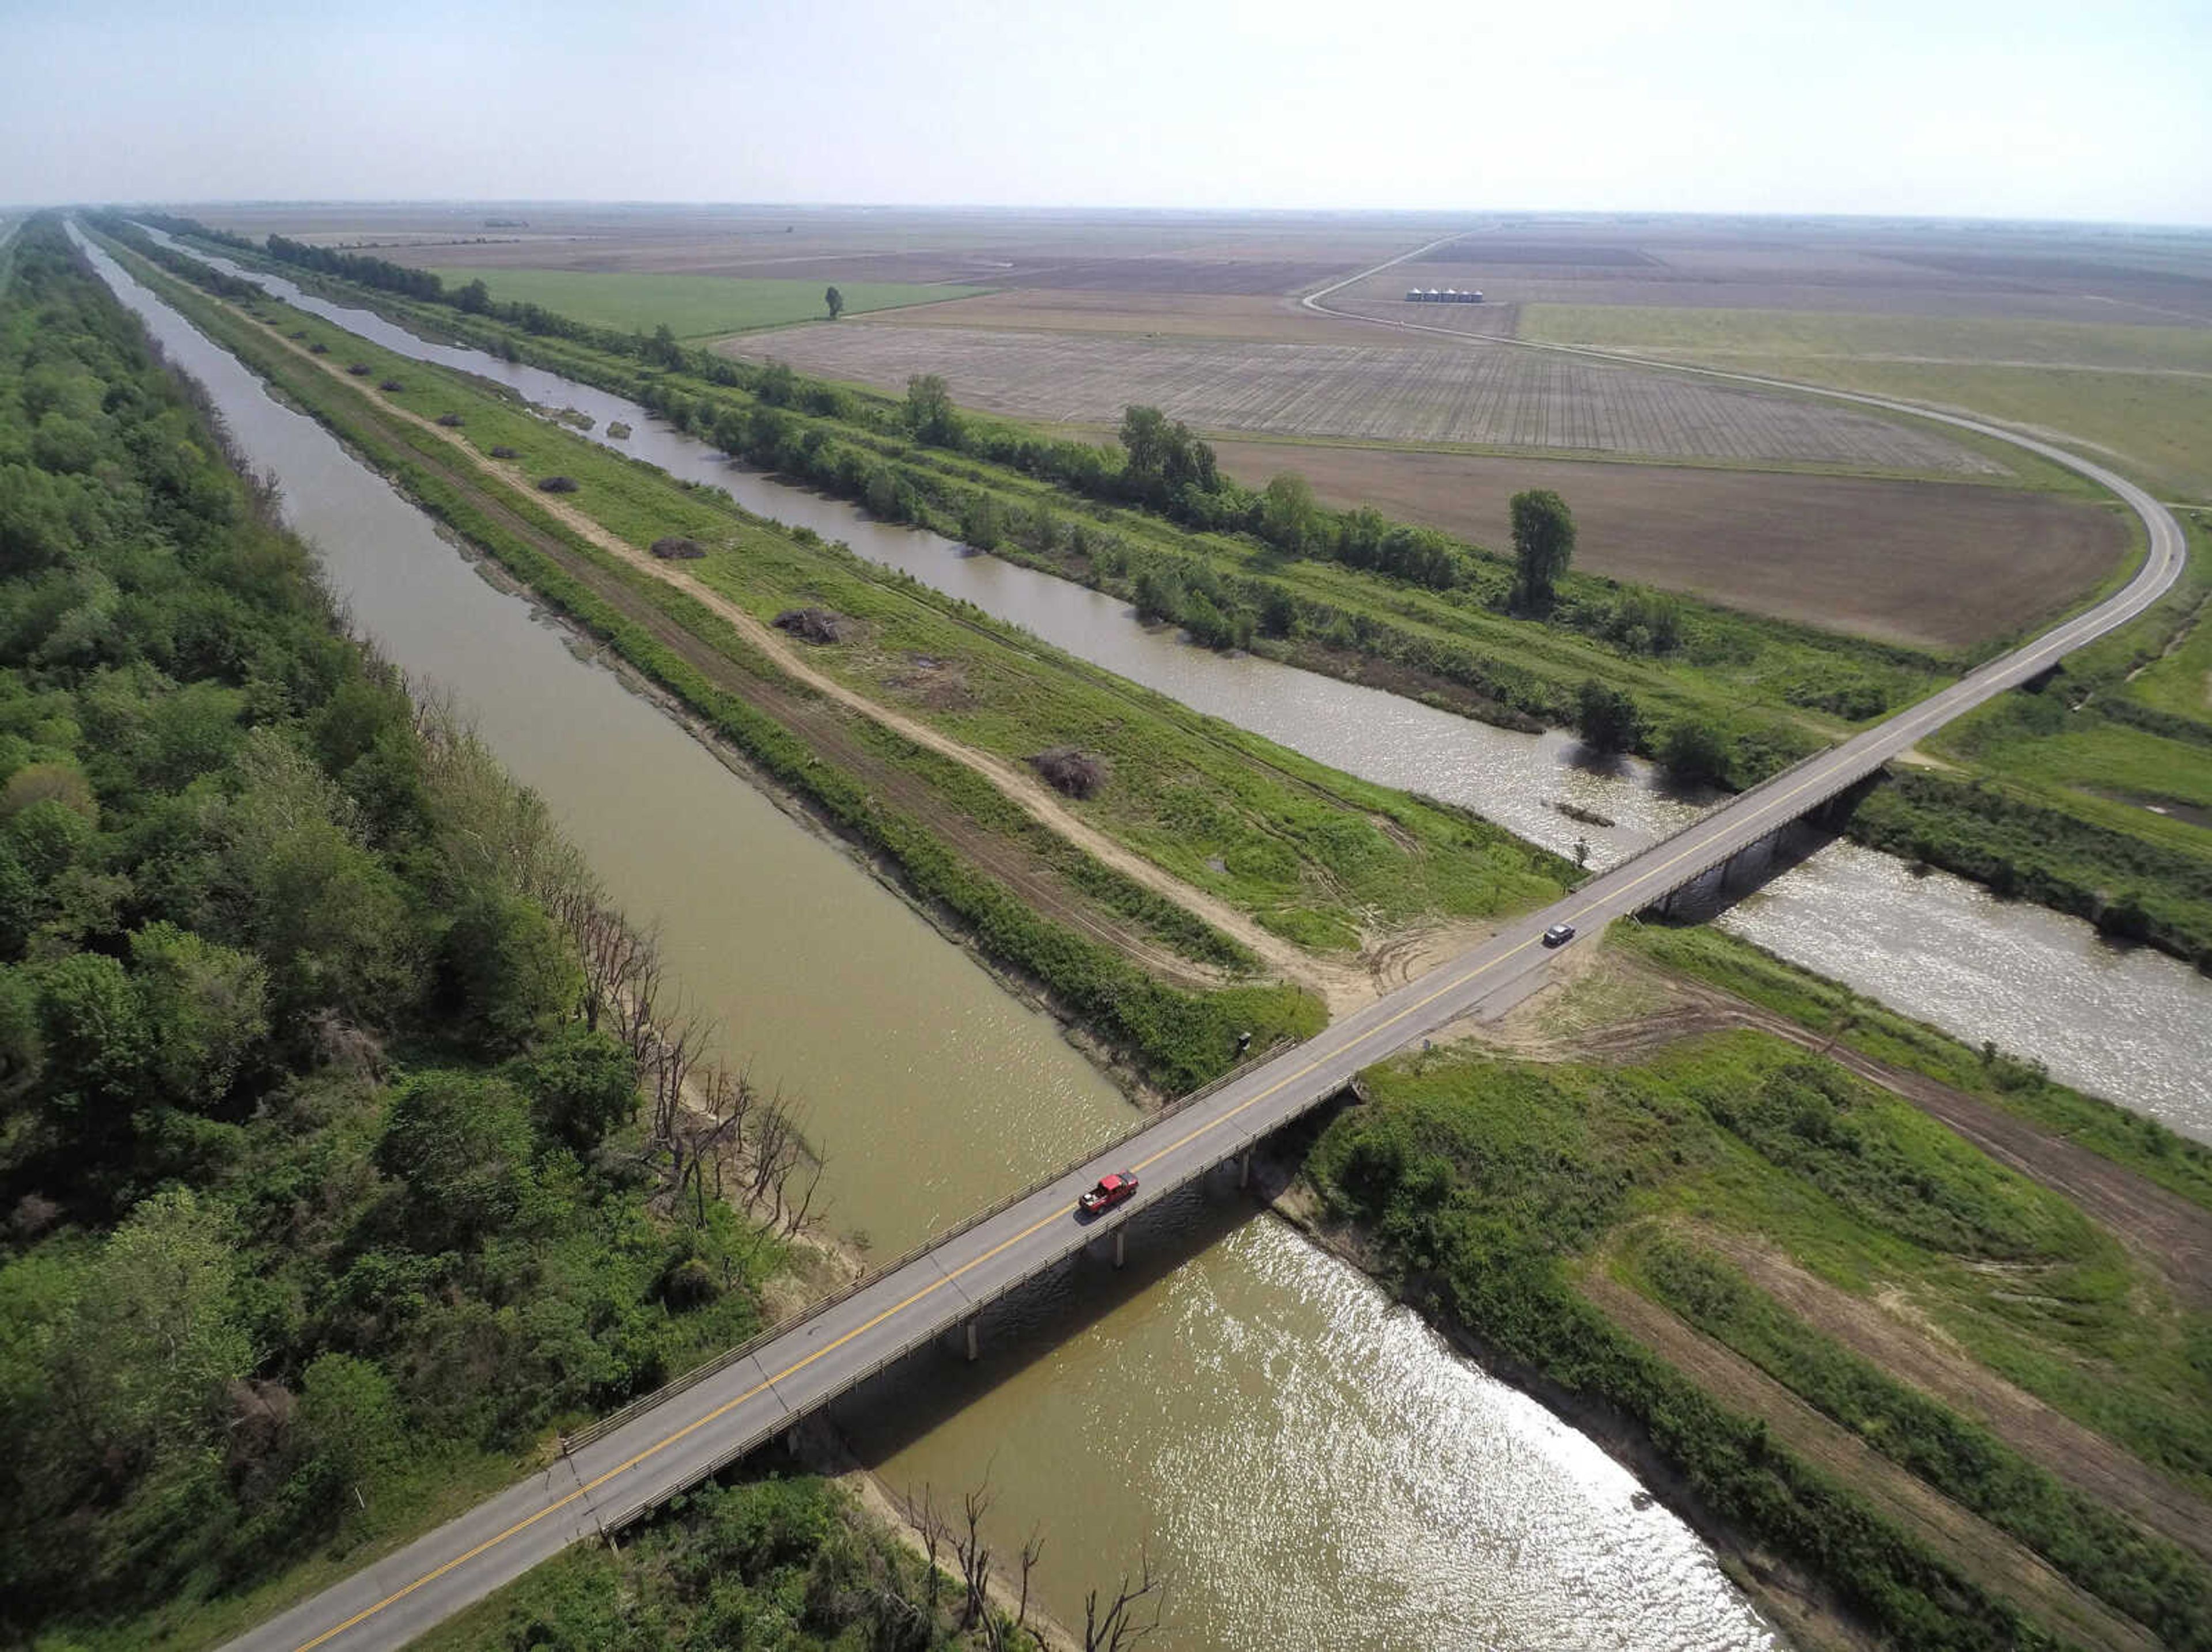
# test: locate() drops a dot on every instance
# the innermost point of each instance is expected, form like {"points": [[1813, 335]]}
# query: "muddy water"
{"points": [[1316, 1466], [2126, 1023]]}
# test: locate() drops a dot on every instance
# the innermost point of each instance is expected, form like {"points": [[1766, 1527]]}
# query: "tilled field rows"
{"points": [[1494, 396]]}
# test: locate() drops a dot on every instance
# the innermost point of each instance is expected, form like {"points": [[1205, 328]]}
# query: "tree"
{"points": [[1116, 1624], [515, 974], [1605, 717], [836, 302], [662, 348], [1693, 752], [44, 782], [1286, 513], [582, 1085], [1543, 544], [351, 1419], [203, 1007], [474, 298], [1157, 595], [929, 410], [460, 1143], [1143, 439], [157, 1336], [982, 524], [91, 1035]]}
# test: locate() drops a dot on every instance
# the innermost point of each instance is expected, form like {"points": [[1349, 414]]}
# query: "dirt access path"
{"points": [[2171, 1234], [1343, 984], [823, 725], [1996, 1562], [1656, 1010], [1922, 1357]]}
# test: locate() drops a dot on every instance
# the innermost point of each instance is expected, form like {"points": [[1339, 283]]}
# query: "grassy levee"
{"points": [[1772, 692], [1305, 850], [2176, 1162], [1767, 680], [1494, 1189], [2160, 1586], [2177, 680]]}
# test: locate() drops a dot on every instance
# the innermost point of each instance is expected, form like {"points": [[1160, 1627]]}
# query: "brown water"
{"points": [[1317, 1468], [2126, 1023]]}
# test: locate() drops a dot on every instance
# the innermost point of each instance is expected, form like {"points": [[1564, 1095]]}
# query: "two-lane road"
{"points": [[662, 1448]]}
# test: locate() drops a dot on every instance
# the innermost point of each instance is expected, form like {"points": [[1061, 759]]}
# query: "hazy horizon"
{"points": [[1978, 110], [1078, 209]]}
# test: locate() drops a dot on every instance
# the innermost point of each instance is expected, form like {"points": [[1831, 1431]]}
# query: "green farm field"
{"points": [[2140, 395], [693, 306]]}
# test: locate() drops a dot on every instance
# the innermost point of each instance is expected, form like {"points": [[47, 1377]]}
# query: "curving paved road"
{"points": [[659, 1449]]}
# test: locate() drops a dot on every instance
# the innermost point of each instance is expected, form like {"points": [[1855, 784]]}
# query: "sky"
{"points": [[2096, 109]]}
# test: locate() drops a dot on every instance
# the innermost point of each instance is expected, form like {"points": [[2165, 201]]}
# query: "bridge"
{"points": [[649, 1451]]}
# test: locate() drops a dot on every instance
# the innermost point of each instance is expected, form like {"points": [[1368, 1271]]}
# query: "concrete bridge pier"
{"points": [[968, 1338], [1121, 1237], [1244, 1169]]}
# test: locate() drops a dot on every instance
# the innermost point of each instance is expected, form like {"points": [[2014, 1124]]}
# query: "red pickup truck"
{"points": [[1111, 1191]]}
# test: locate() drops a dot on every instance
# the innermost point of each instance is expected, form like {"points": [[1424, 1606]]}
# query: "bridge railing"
{"points": [[739, 1447], [614, 1419], [1704, 864]]}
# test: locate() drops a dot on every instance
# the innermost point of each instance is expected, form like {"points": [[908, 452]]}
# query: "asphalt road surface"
{"points": [[666, 1446]]}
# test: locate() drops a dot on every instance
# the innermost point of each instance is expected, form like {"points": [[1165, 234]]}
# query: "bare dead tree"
{"points": [[800, 1213], [926, 1520], [975, 1556], [895, 1620], [728, 1098], [617, 955], [1123, 1622], [679, 1044], [1032, 1552], [637, 1006], [776, 1149]]}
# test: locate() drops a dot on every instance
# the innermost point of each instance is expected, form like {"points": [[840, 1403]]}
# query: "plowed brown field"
{"points": [[1493, 397], [1929, 564], [1180, 315]]}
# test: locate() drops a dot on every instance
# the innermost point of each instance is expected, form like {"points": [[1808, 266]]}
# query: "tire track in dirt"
{"points": [[2171, 1234], [1998, 1563], [2078, 1455]]}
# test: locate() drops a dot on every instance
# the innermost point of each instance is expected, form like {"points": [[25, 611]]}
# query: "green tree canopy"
{"points": [[1605, 717], [459, 1144], [929, 410], [1288, 518], [834, 301], [204, 1007], [1694, 752], [515, 975], [581, 1085], [1543, 545]]}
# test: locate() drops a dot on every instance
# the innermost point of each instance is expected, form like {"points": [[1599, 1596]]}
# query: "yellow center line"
{"points": [[948, 1277]]}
